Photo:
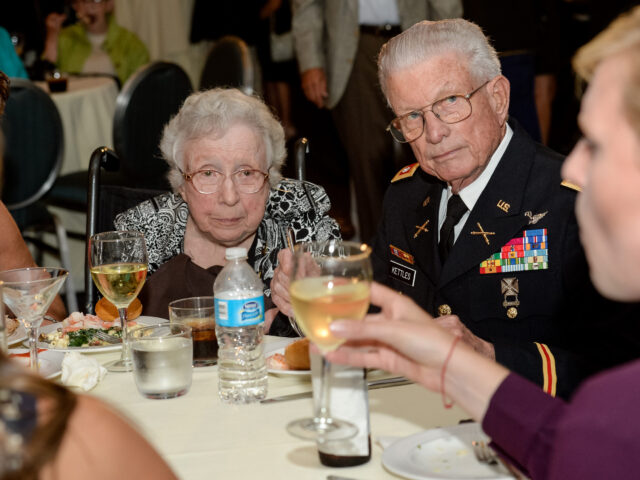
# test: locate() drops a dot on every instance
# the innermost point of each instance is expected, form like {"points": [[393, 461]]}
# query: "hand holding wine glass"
{"points": [[118, 264], [331, 281]]}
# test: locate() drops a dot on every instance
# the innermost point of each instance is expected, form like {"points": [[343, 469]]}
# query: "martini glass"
{"points": [[331, 280], [118, 264], [28, 292]]}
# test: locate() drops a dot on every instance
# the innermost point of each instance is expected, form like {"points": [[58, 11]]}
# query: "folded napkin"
{"points": [[81, 371]]}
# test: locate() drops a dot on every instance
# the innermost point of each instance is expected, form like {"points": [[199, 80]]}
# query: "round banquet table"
{"points": [[86, 109], [202, 438]]}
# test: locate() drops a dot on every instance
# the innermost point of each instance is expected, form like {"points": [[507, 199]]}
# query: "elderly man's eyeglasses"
{"points": [[210, 181], [452, 109]]}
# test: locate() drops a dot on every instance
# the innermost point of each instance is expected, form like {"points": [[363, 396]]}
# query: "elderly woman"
{"points": [[225, 150], [595, 435]]}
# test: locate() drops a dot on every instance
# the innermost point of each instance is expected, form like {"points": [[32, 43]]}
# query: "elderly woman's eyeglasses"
{"points": [[452, 109], [210, 181]]}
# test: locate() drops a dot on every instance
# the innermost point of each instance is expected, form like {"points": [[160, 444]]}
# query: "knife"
{"points": [[374, 384]]}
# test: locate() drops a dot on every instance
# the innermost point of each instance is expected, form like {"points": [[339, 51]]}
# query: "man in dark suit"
{"points": [[482, 227]]}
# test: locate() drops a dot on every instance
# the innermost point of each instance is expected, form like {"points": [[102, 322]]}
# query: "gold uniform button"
{"points": [[512, 312], [444, 309]]}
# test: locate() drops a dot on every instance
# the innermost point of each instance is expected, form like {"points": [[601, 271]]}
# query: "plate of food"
{"points": [[50, 362], [441, 453], [78, 333], [15, 330], [292, 359]]}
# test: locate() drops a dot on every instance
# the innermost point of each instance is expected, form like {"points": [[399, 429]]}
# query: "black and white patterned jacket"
{"points": [[303, 206]]}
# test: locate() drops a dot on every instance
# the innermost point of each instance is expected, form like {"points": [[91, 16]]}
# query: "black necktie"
{"points": [[455, 210]]}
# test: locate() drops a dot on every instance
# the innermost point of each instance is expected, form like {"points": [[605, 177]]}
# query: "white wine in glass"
{"points": [[331, 280], [118, 265]]}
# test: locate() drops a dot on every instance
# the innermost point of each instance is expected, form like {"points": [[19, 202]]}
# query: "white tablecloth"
{"points": [[86, 109], [201, 438]]}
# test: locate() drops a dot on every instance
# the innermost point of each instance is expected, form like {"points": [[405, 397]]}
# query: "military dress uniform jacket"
{"points": [[543, 322]]}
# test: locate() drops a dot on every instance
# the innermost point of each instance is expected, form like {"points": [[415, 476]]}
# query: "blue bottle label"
{"points": [[239, 312]]}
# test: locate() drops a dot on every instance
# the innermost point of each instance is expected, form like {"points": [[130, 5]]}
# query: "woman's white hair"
{"points": [[427, 39], [210, 114]]}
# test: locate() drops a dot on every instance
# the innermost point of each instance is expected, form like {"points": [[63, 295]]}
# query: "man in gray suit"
{"points": [[337, 43]]}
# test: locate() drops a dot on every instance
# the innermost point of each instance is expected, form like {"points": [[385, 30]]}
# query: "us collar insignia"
{"points": [[504, 206], [520, 254], [421, 228], [533, 219], [402, 255], [426, 201], [483, 233]]}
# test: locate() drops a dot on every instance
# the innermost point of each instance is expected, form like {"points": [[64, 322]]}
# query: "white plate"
{"points": [[142, 320], [18, 335], [50, 361], [441, 453], [278, 347]]}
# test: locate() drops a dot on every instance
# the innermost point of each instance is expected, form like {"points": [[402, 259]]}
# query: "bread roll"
{"points": [[108, 312], [297, 355], [11, 324]]}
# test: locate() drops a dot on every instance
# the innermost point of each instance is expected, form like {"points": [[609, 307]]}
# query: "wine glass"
{"points": [[331, 280], [28, 292], [118, 264]]}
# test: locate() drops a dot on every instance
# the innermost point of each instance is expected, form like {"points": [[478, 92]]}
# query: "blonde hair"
{"points": [[621, 37]]}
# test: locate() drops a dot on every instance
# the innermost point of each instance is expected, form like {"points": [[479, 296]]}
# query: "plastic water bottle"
{"points": [[239, 306]]}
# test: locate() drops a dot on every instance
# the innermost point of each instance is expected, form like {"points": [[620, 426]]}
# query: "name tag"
{"points": [[403, 273]]}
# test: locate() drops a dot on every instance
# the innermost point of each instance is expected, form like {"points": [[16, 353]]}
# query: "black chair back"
{"points": [[34, 146], [147, 101], [228, 65], [104, 203]]}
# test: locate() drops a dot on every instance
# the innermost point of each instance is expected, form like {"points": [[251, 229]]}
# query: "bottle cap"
{"points": [[235, 252]]}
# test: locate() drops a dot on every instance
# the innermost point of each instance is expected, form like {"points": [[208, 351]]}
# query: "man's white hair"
{"points": [[426, 40]]}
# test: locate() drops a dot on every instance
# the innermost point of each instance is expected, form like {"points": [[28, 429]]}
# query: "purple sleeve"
{"points": [[521, 421]]}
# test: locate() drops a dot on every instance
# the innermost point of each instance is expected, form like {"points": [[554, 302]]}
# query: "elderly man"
{"points": [[481, 226]]}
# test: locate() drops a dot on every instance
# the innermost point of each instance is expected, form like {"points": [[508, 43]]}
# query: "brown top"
{"points": [[175, 279]]}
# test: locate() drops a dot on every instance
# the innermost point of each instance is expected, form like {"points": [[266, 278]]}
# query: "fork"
{"points": [[102, 335], [485, 454]]}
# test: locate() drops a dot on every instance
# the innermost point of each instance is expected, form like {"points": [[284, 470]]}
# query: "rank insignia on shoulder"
{"points": [[520, 254], [406, 172], [402, 255]]}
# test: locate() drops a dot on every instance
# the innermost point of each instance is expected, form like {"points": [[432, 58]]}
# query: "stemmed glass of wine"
{"points": [[118, 264], [28, 292], [331, 280]]}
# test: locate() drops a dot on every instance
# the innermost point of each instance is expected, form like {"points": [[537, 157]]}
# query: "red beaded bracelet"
{"points": [[445, 402]]}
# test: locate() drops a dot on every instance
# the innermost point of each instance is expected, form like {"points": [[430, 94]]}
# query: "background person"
{"points": [[95, 44], [336, 43], [593, 436], [225, 150]]}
